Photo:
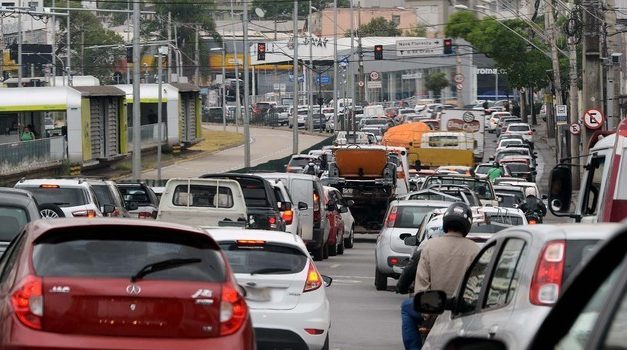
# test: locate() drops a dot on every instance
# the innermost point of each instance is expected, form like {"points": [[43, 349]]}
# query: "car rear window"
{"points": [[202, 196], [577, 251], [518, 128], [518, 168], [300, 162], [481, 188], [13, 220], [61, 196], [255, 193], [410, 216], [513, 220], [103, 194], [136, 194], [121, 254], [264, 258]]}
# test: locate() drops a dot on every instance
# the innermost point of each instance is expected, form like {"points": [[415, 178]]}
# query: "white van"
{"points": [[375, 111], [447, 139]]}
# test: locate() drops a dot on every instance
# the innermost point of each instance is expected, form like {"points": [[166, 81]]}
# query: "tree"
{"points": [[416, 31], [274, 9], [378, 26], [435, 82]]}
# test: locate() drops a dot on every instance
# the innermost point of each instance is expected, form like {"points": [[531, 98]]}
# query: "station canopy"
{"points": [[33, 99]]}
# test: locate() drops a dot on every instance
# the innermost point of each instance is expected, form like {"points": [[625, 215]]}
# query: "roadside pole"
{"points": [[351, 77], [335, 102], [238, 108], [223, 83], [137, 150], [574, 110], [591, 63], [68, 64], [295, 97], [159, 113], [246, 91], [311, 74], [169, 48], [550, 25], [19, 49]]}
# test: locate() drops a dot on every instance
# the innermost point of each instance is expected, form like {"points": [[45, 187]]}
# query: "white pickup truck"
{"points": [[203, 203]]}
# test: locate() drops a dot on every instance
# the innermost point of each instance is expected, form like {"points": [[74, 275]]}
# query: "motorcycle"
{"points": [[533, 217]]}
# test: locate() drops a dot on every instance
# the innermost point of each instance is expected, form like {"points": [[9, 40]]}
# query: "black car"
{"points": [[17, 208], [261, 203], [140, 200]]}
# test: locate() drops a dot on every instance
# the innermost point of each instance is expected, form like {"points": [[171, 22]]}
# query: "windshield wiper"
{"points": [[270, 270], [162, 265]]}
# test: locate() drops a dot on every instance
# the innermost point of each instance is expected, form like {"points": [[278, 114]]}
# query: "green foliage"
{"points": [[435, 82], [282, 9], [378, 26], [524, 65], [416, 31]]}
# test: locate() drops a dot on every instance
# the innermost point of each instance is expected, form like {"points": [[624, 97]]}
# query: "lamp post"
{"points": [[163, 50], [223, 49]]}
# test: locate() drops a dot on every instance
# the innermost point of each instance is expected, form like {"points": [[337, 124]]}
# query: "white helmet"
{"points": [[529, 191]]}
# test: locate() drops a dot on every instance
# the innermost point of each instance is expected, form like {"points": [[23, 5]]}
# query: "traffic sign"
{"points": [[593, 119], [375, 84], [418, 47], [324, 79], [459, 86], [458, 78], [575, 128], [561, 111], [374, 75], [361, 83]]}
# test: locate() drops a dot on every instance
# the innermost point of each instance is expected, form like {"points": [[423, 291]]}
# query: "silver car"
{"points": [[402, 220], [513, 282]]}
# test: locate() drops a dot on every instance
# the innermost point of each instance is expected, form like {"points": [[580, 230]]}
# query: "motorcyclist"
{"points": [[442, 264], [495, 172], [532, 204]]}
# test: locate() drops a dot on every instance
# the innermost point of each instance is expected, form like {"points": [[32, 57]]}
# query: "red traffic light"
{"points": [[448, 46], [261, 47], [378, 52], [378, 48]]}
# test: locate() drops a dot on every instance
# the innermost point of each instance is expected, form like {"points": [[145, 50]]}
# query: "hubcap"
{"points": [[48, 213]]}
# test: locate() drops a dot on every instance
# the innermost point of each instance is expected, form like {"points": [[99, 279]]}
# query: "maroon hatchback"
{"points": [[119, 284]]}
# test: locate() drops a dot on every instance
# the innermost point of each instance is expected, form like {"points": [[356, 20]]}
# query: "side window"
{"points": [[471, 288], [9, 258], [504, 281], [616, 336], [593, 186]]}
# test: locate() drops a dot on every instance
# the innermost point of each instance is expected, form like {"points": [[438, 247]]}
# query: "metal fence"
{"points": [[22, 156], [149, 134]]}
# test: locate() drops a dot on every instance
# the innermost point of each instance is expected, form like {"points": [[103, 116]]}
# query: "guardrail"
{"points": [[22, 156], [149, 134]]}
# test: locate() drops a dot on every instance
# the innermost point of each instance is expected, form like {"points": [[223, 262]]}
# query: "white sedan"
{"points": [[284, 290]]}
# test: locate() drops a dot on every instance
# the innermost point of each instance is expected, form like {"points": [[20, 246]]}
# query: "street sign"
{"points": [[374, 75], [575, 128], [375, 84], [561, 111], [419, 47], [361, 83], [458, 78], [593, 119], [324, 79], [411, 76], [459, 86]]}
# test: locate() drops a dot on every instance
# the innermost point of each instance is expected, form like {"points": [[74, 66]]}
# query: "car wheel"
{"points": [[318, 254], [325, 252], [350, 240], [340, 246], [50, 211], [380, 280], [333, 249]]}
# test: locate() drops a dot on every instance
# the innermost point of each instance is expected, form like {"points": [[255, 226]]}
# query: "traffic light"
{"points": [[378, 52], [448, 46], [261, 51], [129, 54]]}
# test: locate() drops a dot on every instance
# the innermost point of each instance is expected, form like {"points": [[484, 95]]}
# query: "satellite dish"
{"points": [[260, 13]]}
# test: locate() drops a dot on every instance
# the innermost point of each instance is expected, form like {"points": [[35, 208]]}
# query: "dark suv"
{"points": [[261, 203], [17, 207]]}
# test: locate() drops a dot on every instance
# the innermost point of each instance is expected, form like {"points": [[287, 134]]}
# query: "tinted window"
{"points": [[577, 251], [473, 283], [136, 194], [483, 169], [518, 168], [481, 188], [410, 217], [508, 201], [9, 258], [513, 220], [254, 192], [12, 220], [63, 197], [518, 128], [271, 258], [122, 255], [202, 196], [103, 194], [506, 274], [300, 162]]}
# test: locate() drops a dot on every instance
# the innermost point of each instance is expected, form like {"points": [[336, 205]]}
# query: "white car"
{"points": [[75, 197], [285, 292], [522, 184], [495, 117], [522, 129], [506, 142], [290, 216]]}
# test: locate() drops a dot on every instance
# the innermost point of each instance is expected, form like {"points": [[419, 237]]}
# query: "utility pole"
{"points": [[295, 98], [224, 83], [550, 25], [197, 57], [53, 59], [68, 63], [591, 62], [19, 48], [128, 39], [159, 112], [82, 50], [335, 102], [238, 109], [246, 91], [573, 95], [137, 150], [613, 76], [351, 76], [169, 46], [360, 52], [311, 74]]}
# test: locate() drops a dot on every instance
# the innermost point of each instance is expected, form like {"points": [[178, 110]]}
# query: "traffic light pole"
{"points": [[295, 98], [335, 102]]}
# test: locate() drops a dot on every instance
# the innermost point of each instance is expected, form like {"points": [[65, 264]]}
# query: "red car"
{"points": [[119, 284], [336, 224]]}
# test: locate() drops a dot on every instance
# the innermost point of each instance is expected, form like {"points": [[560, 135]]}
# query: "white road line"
{"points": [[334, 266]]}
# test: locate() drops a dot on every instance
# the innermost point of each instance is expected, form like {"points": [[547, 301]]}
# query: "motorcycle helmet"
{"points": [[458, 217]]}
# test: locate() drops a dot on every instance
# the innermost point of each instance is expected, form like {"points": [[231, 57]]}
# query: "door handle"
{"points": [[492, 331]]}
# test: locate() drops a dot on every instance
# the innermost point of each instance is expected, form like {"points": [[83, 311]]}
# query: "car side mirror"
{"points": [[342, 209], [108, 209], [411, 241], [327, 280], [468, 343], [430, 302], [285, 206], [302, 206], [560, 190], [132, 206], [350, 203]]}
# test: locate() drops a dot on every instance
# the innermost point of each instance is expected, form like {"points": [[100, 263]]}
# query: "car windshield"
{"points": [[506, 143], [61, 196], [103, 194], [264, 258], [120, 254], [443, 141], [508, 201], [411, 216], [518, 128], [202, 196], [511, 152], [13, 220], [135, 194]]}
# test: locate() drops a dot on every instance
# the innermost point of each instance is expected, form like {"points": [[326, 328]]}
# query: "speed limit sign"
{"points": [[361, 83], [575, 128]]}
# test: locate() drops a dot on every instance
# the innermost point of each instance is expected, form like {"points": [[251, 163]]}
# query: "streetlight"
{"points": [[223, 83], [162, 51]]}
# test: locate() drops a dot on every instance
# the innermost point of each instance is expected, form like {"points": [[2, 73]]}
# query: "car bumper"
{"points": [[287, 327], [382, 256]]}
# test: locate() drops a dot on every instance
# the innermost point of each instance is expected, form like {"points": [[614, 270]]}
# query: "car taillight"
{"points": [[288, 216], [84, 213], [530, 133], [391, 217], [532, 222], [28, 302], [316, 207], [144, 215], [547, 278], [233, 310], [314, 280]]}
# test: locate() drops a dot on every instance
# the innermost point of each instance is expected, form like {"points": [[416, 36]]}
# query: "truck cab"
{"points": [[602, 196]]}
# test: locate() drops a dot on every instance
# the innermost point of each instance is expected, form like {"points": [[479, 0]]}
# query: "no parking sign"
{"points": [[593, 119]]}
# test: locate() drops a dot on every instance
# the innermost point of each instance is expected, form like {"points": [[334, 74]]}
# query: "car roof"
{"points": [[506, 187], [230, 234], [277, 175], [60, 182], [421, 203], [520, 124], [571, 231]]}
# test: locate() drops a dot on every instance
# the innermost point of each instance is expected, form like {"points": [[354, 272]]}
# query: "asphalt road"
{"points": [[362, 318], [266, 144]]}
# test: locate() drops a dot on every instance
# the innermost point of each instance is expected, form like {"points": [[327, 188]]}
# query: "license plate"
{"points": [[258, 294]]}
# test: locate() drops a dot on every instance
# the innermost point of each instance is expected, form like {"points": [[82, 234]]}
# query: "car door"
{"points": [[498, 297], [467, 301], [302, 191]]}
